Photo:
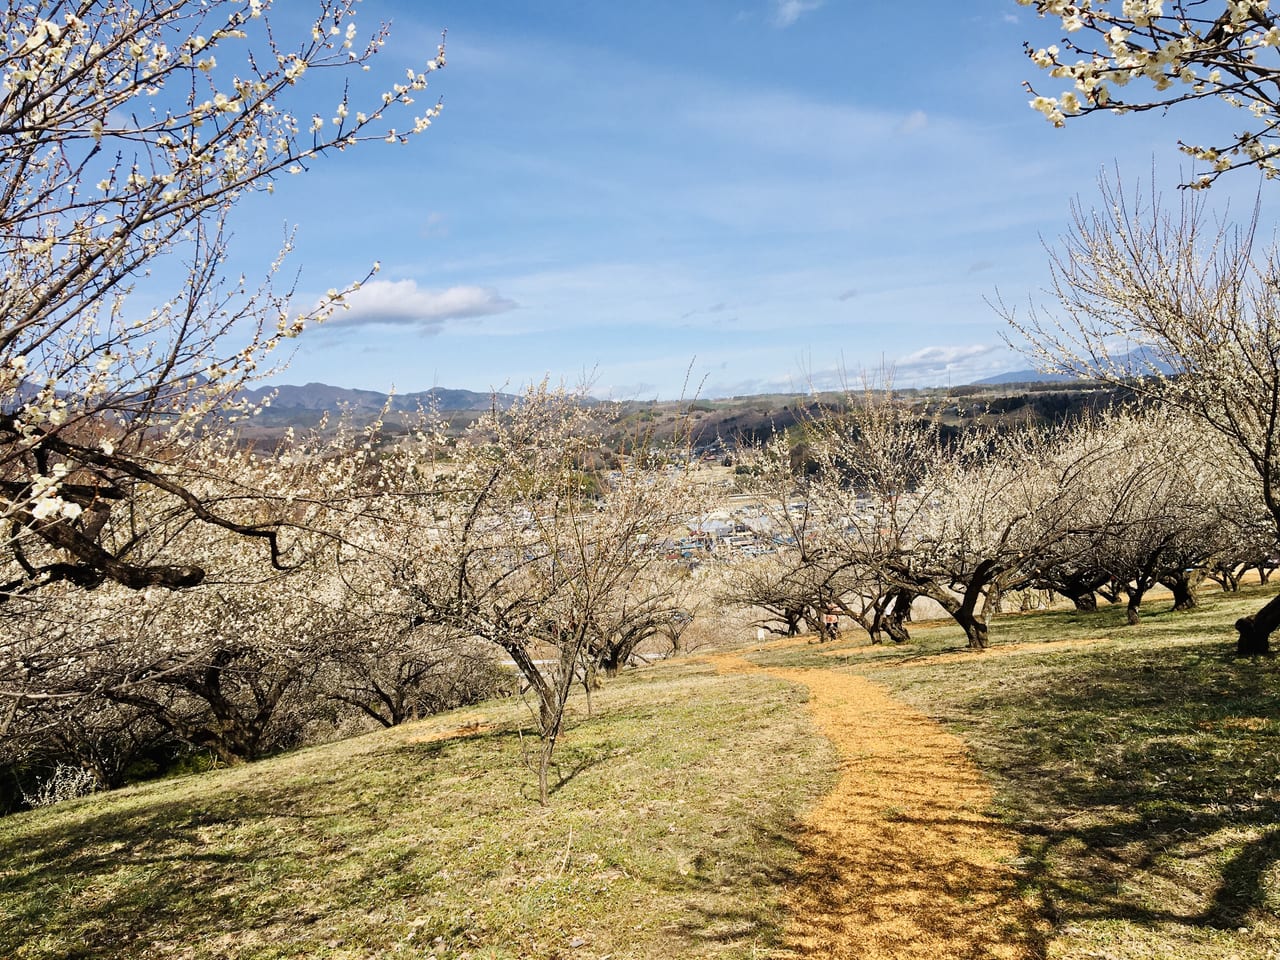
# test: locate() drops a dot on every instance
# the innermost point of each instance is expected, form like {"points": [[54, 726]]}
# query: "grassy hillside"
{"points": [[670, 836], [1139, 766]]}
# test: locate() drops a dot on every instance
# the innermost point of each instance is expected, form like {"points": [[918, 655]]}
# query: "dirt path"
{"points": [[899, 859]]}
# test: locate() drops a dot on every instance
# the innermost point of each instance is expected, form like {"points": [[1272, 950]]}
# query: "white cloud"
{"points": [[750, 387], [403, 303], [931, 356], [915, 121], [642, 390], [787, 12], [931, 365]]}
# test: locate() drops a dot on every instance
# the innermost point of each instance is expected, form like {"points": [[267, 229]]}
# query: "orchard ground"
{"points": [[1084, 789]]}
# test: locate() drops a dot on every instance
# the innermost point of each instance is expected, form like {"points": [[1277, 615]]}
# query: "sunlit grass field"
{"points": [[1138, 765], [670, 834], [1141, 766]]}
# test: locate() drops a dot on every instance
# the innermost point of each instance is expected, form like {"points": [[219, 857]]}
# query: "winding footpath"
{"points": [[900, 859]]}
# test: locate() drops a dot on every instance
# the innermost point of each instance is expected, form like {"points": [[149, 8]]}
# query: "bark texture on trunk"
{"points": [[1183, 586], [1255, 630], [975, 628], [1085, 602], [1134, 592], [898, 615]]}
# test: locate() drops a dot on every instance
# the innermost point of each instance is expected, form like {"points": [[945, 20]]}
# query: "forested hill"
{"points": [[304, 406], [719, 423]]}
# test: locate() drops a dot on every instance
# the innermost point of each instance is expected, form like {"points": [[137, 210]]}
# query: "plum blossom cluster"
{"points": [[128, 133], [1153, 54]]}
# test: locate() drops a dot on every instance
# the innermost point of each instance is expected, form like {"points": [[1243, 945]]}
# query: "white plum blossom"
{"points": [[131, 131], [1177, 51]]}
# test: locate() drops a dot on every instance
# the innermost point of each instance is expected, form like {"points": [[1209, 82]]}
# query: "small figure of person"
{"points": [[830, 624]]}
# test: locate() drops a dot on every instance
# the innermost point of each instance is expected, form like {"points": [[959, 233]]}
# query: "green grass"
{"points": [[671, 834], [1141, 770]]}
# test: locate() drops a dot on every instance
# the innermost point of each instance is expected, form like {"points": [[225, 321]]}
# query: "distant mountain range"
{"points": [[320, 397], [1140, 362], [1024, 376], [306, 404]]}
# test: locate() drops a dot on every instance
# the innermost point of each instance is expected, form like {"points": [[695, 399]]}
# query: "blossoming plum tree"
{"points": [[1172, 53], [512, 537], [129, 131], [1183, 312], [1155, 493]]}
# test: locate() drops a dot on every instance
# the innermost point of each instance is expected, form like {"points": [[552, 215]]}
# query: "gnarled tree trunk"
{"points": [[1183, 587], [1255, 630], [1084, 602], [899, 615]]}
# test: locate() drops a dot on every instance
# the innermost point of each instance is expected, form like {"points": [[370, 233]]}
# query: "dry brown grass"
{"points": [[900, 859]]}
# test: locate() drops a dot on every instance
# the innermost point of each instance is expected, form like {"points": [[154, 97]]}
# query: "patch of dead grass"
{"points": [[901, 858]]}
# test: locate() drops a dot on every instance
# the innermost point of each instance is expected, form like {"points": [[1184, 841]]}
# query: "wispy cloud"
{"points": [[926, 367], [916, 120], [435, 225], [404, 303], [822, 131], [718, 388], [787, 12], [933, 364], [715, 308], [642, 390]]}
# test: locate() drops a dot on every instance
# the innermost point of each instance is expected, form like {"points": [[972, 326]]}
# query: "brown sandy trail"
{"points": [[899, 860]]}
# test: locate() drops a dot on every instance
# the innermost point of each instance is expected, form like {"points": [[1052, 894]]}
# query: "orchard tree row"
{"points": [[404, 578], [892, 509]]}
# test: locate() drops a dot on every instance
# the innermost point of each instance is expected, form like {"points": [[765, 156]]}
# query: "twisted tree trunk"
{"points": [[1255, 630]]}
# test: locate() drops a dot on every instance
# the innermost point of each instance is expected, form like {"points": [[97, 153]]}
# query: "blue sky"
{"points": [[721, 197]]}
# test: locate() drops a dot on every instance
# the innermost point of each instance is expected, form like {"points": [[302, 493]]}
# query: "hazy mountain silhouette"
{"points": [[1138, 362], [322, 397]]}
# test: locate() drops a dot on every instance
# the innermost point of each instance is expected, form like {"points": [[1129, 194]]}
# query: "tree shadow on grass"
{"points": [[582, 765], [114, 876], [732, 893], [1145, 782], [818, 895], [1241, 894], [114, 882]]}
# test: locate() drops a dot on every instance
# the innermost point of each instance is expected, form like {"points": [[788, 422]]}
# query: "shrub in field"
{"points": [[65, 783]]}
